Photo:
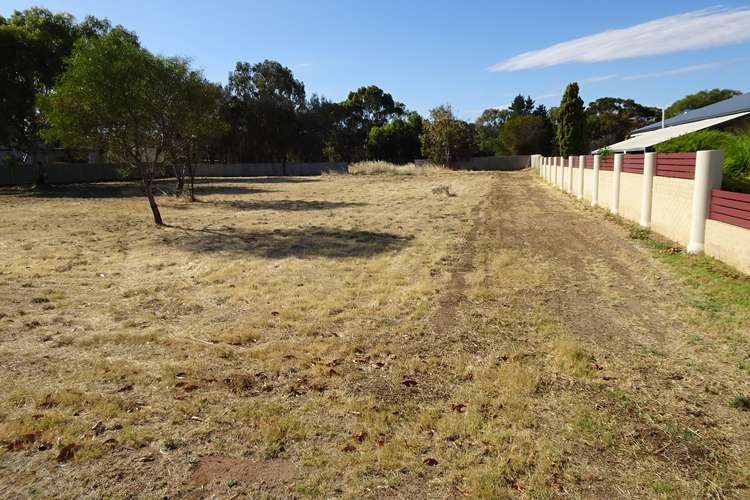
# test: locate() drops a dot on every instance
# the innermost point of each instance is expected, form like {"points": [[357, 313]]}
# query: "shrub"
{"points": [[695, 141]]}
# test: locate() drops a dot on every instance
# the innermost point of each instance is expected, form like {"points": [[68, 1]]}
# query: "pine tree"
{"points": [[571, 123]]}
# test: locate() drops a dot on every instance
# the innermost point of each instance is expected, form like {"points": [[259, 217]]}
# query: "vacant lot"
{"points": [[363, 336]]}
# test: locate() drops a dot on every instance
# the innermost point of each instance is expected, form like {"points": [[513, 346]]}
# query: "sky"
{"points": [[472, 55]]}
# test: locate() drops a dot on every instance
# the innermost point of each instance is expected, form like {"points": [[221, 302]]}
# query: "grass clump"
{"points": [[572, 358], [741, 403], [387, 168]]}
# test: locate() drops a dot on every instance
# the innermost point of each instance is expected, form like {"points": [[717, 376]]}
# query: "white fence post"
{"points": [[558, 162], [570, 174], [647, 195], [550, 168], [555, 166], [708, 174], [561, 184], [581, 160], [595, 184], [615, 205]]}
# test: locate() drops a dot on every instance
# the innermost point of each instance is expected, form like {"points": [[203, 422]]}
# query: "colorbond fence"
{"points": [[679, 165], [676, 194], [632, 164], [731, 208]]}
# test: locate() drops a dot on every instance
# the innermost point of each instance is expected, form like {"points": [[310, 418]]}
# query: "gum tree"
{"points": [[446, 139], [111, 97]]}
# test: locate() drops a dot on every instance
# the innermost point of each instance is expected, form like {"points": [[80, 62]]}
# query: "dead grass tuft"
{"points": [[386, 168]]}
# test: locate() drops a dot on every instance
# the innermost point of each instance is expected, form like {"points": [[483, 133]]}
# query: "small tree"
{"points": [[571, 124], [446, 139], [193, 119], [112, 97]]}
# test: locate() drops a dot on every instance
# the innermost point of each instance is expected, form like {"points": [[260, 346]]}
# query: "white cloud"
{"points": [[692, 30], [595, 79], [678, 71]]}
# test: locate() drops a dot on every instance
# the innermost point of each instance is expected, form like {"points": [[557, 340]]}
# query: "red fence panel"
{"points": [[607, 163], [632, 163], [588, 161], [680, 165], [730, 207]]}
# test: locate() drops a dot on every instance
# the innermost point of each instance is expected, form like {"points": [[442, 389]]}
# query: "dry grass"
{"points": [[352, 336], [386, 168]]}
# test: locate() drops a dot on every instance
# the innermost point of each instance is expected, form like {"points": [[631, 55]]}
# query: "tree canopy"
{"points": [[117, 97], [610, 119], [35, 44], [698, 100], [528, 134], [446, 139]]}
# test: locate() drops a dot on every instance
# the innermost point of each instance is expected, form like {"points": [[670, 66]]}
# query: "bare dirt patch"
{"points": [[222, 475]]}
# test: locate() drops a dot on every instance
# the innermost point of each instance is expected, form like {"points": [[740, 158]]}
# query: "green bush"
{"points": [[696, 141], [736, 153], [737, 156]]}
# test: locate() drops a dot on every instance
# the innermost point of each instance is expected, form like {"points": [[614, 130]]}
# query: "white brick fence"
{"points": [[675, 194]]}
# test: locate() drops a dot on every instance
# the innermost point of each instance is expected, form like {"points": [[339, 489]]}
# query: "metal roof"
{"points": [[645, 140], [736, 104]]}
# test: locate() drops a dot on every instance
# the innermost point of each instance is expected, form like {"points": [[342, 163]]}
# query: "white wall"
{"points": [[672, 207]]}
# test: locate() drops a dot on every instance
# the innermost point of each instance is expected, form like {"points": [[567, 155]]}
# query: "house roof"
{"points": [[644, 140], [733, 105]]}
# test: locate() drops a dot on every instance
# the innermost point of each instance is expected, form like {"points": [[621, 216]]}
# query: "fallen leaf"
{"points": [[22, 441], [430, 461], [458, 407], [360, 436], [67, 452]]}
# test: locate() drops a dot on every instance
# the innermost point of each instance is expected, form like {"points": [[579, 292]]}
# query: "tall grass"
{"points": [[386, 168]]}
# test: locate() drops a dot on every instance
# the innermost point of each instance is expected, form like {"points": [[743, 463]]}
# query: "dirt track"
{"points": [[656, 365]]}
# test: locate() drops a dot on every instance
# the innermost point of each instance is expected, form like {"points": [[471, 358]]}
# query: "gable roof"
{"points": [[731, 106]]}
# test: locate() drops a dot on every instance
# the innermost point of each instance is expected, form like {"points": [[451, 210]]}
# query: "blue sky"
{"points": [[433, 52]]}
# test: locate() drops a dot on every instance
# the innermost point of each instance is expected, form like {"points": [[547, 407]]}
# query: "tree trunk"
{"points": [[179, 174], [191, 170], [147, 180]]}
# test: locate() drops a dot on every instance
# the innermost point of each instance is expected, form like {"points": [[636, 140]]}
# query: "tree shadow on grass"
{"points": [[281, 243], [283, 205], [129, 189], [253, 180]]}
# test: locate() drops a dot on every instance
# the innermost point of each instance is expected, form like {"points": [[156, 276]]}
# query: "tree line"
{"points": [[90, 86]]}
